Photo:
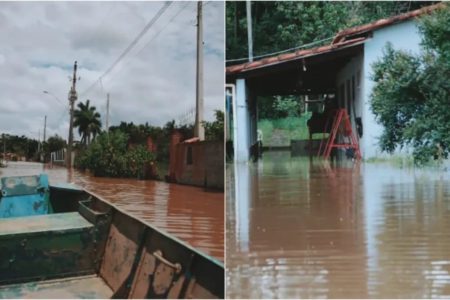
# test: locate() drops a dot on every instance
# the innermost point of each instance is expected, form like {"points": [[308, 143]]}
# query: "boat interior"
{"points": [[88, 248]]}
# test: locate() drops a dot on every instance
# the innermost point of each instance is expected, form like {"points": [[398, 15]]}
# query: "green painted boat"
{"points": [[76, 245]]}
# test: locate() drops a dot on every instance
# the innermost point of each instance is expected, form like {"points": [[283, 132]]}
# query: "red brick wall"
{"points": [[207, 168]]}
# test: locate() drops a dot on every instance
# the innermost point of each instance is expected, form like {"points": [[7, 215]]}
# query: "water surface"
{"points": [[307, 229], [189, 213]]}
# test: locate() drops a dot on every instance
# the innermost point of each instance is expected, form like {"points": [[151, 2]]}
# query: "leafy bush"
{"points": [[214, 131], [288, 106], [412, 92], [108, 156], [285, 130]]}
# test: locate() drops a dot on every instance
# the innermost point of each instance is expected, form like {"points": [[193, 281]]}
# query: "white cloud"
{"points": [[155, 83]]}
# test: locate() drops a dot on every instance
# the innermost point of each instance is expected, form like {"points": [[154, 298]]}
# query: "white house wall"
{"points": [[352, 69], [402, 36]]}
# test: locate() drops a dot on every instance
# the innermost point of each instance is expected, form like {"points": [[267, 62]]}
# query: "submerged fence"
{"points": [[58, 157]]}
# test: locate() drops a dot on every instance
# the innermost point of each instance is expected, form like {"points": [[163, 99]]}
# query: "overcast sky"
{"points": [[154, 83]]}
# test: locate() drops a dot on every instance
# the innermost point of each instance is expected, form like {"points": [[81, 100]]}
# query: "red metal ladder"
{"points": [[342, 126]]}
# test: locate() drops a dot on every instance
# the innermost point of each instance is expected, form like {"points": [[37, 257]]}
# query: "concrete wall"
{"points": [[205, 168], [402, 36], [301, 147]]}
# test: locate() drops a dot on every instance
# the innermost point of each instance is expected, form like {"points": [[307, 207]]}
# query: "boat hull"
{"points": [[89, 239]]}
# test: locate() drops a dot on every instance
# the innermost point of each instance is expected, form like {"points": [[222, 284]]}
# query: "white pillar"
{"points": [[243, 198], [241, 123]]}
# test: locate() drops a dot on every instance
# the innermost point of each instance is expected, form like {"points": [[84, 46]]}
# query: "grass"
{"points": [[401, 161], [407, 161], [280, 132]]}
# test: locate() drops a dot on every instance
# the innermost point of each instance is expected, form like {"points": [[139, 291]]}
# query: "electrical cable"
{"points": [[157, 34], [130, 46], [282, 51]]}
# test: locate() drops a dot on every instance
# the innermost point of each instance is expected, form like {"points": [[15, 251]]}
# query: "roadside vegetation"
{"points": [[412, 93], [22, 147], [124, 150], [109, 155]]}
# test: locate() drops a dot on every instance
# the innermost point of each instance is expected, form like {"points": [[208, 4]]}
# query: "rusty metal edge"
{"points": [[332, 48], [196, 251]]}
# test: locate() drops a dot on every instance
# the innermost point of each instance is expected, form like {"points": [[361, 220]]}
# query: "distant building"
{"points": [[342, 68]]}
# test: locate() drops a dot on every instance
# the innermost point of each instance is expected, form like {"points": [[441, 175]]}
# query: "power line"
{"points": [[282, 51], [165, 26], [161, 30], [133, 43]]}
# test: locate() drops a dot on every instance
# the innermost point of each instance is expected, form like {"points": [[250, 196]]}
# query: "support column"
{"points": [[241, 123]]}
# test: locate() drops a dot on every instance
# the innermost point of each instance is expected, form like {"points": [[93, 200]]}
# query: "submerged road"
{"points": [[189, 213], [301, 229]]}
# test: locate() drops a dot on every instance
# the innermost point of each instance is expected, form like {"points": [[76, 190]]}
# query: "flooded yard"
{"points": [[189, 213], [307, 229]]}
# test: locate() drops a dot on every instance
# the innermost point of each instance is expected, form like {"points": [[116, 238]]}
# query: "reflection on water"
{"points": [[302, 229], [189, 213]]}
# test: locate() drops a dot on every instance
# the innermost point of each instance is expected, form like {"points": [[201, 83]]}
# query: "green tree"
{"points": [[55, 143], [412, 92], [87, 119], [109, 155], [214, 131], [20, 145], [287, 106], [281, 25], [137, 134]]}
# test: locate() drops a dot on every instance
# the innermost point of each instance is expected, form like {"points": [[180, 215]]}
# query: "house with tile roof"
{"points": [[342, 68]]}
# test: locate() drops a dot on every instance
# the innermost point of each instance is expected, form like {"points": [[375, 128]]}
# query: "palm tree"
{"points": [[87, 119]]}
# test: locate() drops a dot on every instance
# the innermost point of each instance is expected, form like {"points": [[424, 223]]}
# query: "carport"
{"points": [[303, 72]]}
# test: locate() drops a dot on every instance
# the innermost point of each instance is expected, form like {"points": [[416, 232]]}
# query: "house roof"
{"points": [[346, 33], [344, 39], [299, 54]]}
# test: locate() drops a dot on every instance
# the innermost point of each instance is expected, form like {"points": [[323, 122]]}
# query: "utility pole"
{"points": [[107, 112], [72, 99], [45, 126], [39, 142], [43, 142], [249, 30], [199, 129], [4, 147]]}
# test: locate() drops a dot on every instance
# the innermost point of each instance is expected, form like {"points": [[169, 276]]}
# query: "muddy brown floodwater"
{"points": [[301, 229], [189, 213]]}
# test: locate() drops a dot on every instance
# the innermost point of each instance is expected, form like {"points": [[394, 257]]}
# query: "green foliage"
{"points": [[274, 107], [287, 106], [109, 156], [20, 145], [87, 119], [54, 143], [280, 25], [280, 132], [411, 93], [161, 135], [214, 131]]}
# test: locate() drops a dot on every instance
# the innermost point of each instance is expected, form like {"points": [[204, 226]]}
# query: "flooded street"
{"points": [[302, 229], [189, 213]]}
